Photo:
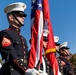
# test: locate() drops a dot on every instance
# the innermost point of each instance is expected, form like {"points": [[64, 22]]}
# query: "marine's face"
{"points": [[13, 20], [20, 18], [57, 48], [45, 44], [67, 51]]}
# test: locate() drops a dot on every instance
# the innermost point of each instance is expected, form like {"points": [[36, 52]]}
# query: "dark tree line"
{"points": [[73, 61]]}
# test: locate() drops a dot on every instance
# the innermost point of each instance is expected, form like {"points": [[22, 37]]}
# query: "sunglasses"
{"points": [[20, 15]]}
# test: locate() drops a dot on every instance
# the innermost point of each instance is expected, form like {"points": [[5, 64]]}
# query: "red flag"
{"points": [[51, 45], [36, 33]]}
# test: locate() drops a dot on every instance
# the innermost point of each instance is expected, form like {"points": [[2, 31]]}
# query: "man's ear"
{"points": [[11, 17]]}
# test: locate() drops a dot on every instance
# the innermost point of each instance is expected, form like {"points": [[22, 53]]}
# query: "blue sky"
{"points": [[63, 19]]}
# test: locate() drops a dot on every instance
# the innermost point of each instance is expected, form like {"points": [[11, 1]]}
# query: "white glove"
{"points": [[42, 72], [31, 72]]}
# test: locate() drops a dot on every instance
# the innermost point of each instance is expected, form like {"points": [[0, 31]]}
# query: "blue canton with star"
{"points": [[36, 5]]}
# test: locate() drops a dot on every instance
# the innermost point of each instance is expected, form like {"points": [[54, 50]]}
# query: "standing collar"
{"points": [[14, 28]]}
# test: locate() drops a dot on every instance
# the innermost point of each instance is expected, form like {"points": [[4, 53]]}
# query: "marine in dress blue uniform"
{"points": [[14, 49], [45, 65], [57, 45], [64, 53]]}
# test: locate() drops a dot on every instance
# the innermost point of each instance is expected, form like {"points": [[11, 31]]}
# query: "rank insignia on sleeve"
{"points": [[5, 42]]}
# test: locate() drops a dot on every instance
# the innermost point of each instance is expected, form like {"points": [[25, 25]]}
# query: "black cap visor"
{"points": [[57, 44], [20, 13], [65, 48], [45, 39]]}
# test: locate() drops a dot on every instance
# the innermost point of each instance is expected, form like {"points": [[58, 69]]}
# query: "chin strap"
{"points": [[17, 19]]}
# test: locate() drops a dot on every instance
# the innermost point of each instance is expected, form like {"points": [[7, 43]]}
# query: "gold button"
{"points": [[24, 47], [24, 67], [24, 57], [25, 61], [22, 37], [48, 62], [17, 42], [24, 52], [23, 42], [21, 59], [17, 29], [21, 64], [17, 60], [47, 66], [47, 70], [61, 67], [12, 69]]}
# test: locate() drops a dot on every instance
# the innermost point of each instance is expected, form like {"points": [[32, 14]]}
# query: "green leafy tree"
{"points": [[73, 61]]}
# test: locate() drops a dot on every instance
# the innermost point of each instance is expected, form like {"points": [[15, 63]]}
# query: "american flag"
{"points": [[37, 14], [36, 33]]}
